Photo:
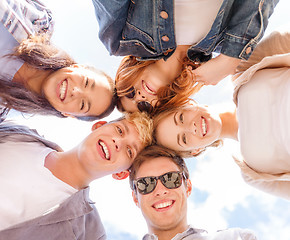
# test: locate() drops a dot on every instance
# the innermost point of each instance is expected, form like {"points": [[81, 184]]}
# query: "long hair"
{"points": [[172, 95], [39, 53]]}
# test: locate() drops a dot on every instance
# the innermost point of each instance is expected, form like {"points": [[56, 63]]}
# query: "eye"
{"points": [[87, 82], [184, 138], [82, 105], [119, 130], [181, 118], [130, 152]]}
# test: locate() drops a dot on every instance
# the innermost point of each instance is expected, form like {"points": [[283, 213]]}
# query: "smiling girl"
{"points": [[260, 122], [40, 78]]}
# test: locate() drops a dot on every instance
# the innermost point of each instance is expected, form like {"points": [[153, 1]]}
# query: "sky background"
{"points": [[220, 198]]}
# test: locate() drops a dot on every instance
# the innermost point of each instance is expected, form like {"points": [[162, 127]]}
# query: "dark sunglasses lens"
{"points": [[131, 93], [171, 180], [146, 185], [145, 107]]}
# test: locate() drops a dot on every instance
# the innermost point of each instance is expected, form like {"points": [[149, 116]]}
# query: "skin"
{"points": [[155, 76], [216, 69], [85, 89], [163, 222], [186, 128], [87, 161]]}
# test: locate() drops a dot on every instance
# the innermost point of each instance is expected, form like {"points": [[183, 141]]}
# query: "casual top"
{"points": [[76, 218], [272, 52], [25, 17], [188, 30], [35, 189], [264, 115], [18, 20], [199, 234], [146, 29]]}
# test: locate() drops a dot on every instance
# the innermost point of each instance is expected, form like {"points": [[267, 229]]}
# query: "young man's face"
{"points": [[111, 148], [163, 209]]}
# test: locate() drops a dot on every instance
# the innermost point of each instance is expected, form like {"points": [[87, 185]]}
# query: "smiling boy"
{"points": [[160, 182]]}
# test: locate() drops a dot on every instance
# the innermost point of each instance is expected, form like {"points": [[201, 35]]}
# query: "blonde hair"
{"points": [[185, 154], [173, 95], [143, 124]]}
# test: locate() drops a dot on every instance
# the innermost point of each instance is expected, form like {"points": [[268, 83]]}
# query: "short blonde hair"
{"points": [[143, 124]]}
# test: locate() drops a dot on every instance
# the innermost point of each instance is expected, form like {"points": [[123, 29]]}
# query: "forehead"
{"points": [[156, 167]]}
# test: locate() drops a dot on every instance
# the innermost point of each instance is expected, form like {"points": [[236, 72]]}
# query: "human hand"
{"points": [[216, 69]]}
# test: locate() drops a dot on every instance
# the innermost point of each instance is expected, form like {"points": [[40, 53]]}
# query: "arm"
{"points": [[25, 17], [243, 30], [111, 16], [275, 184], [277, 42]]}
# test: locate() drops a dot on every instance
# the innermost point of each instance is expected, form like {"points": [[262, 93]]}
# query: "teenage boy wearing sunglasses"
{"points": [[160, 185]]}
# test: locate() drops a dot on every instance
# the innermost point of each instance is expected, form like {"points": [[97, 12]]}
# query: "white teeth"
{"points": [[147, 89], [163, 205], [62, 89], [105, 150], [203, 125]]}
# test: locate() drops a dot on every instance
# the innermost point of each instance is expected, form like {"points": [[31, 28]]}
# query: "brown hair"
{"points": [[185, 154], [156, 151], [38, 52], [173, 95]]}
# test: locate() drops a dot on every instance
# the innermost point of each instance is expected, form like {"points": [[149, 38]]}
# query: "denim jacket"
{"points": [[76, 218], [145, 28]]}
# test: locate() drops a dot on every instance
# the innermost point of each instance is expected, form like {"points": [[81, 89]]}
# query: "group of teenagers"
{"points": [[171, 49]]}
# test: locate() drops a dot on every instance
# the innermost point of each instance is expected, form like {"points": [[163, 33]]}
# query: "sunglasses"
{"points": [[170, 180], [143, 106]]}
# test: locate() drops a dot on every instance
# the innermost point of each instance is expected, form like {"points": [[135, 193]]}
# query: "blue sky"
{"points": [[220, 198]]}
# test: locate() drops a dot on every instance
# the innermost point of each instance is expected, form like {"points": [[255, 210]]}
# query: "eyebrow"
{"points": [[174, 118], [127, 133], [178, 135], [89, 107]]}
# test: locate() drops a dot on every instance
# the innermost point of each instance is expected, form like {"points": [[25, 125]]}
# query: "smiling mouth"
{"points": [[147, 89], [163, 205], [203, 126], [63, 90], [104, 149]]}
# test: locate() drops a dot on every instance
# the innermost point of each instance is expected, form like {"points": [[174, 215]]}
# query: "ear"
{"points": [[135, 199], [196, 151], [121, 175], [67, 115], [98, 124], [189, 187]]}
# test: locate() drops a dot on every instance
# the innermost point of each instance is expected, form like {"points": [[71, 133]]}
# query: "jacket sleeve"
{"points": [[277, 42], [245, 28], [111, 16], [275, 184]]}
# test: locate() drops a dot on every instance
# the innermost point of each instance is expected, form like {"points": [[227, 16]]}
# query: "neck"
{"points": [[66, 167], [166, 234], [230, 125], [171, 68], [31, 77]]}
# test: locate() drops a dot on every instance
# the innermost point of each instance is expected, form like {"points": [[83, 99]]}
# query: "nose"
{"points": [[192, 127], [76, 92], [160, 189], [139, 96], [118, 144]]}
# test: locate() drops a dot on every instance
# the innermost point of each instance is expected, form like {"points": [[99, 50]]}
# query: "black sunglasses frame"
{"points": [[156, 178], [143, 106]]}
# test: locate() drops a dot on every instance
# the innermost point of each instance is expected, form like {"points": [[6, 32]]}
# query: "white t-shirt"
{"points": [[264, 117], [193, 19], [27, 188]]}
